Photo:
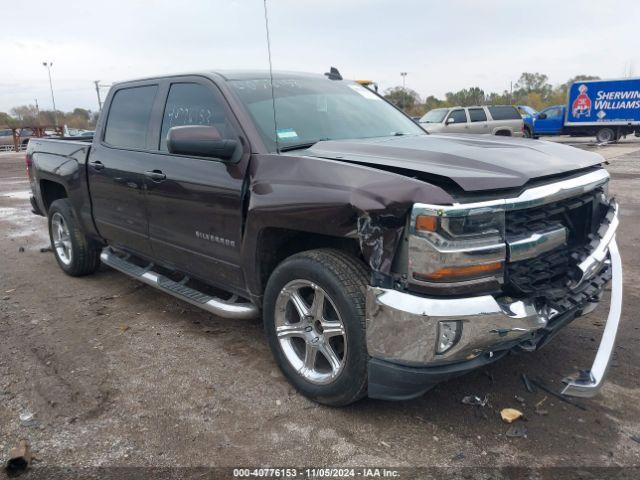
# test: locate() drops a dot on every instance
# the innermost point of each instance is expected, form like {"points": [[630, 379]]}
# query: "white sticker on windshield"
{"points": [[287, 133], [365, 92]]}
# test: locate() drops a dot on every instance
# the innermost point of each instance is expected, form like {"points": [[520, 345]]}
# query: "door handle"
{"points": [[156, 175], [97, 164]]}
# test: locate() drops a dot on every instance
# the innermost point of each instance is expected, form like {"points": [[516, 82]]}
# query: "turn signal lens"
{"points": [[426, 223], [457, 273]]}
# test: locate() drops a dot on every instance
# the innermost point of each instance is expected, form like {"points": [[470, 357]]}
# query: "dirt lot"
{"points": [[118, 374]]}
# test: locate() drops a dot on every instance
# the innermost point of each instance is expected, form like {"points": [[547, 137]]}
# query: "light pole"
{"points": [[48, 66], [404, 89], [97, 82]]}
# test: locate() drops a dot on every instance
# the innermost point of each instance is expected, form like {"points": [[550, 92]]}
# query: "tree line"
{"points": [[30, 115], [531, 89]]}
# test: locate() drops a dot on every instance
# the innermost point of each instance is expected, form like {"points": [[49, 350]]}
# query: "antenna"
{"points": [[273, 95]]}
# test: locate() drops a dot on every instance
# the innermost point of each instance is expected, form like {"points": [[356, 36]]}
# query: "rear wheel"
{"points": [[75, 253], [605, 135], [314, 312]]}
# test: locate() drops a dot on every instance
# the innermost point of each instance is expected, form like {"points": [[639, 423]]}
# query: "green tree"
{"points": [[403, 98], [466, 97], [532, 82], [6, 120]]}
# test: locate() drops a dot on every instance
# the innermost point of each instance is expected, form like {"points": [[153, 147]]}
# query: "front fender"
{"points": [[334, 198]]}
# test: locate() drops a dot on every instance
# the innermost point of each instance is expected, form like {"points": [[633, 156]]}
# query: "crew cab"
{"points": [[382, 259]]}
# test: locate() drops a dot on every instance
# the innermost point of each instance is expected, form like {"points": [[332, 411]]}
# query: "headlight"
{"points": [[461, 245]]}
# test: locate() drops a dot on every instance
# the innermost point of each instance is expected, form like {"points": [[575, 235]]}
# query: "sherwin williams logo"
{"points": [[582, 105]]}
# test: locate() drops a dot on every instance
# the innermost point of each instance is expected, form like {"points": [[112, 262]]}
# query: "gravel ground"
{"points": [[118, 374]]}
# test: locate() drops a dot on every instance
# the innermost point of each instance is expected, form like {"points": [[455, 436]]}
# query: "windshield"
{"points": [[434, 116], [313, 109]]}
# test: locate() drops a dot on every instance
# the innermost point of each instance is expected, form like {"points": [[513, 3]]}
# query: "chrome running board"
{"points": [[222, 308]]}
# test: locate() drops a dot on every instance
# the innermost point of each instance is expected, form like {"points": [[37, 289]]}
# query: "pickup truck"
{"points": [[606, 109], [381, 259]]}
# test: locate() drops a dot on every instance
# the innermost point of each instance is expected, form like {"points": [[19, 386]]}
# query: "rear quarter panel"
{"points": [[63, 162]]}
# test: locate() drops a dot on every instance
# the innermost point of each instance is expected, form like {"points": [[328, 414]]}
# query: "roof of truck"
{"points": [[230, 75]]}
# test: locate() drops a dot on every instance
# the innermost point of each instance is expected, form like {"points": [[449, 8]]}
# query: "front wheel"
{"points": [[527, 133], [76, 254], [314, 313]]}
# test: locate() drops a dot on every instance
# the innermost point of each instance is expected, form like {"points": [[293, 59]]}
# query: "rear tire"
{"points": [[605, 135], [319, 345], [75, 253]]}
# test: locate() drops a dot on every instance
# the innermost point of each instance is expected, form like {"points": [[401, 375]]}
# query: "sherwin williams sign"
{"points": [[604, 101]]}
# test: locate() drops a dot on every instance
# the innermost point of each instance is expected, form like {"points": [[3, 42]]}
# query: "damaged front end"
{"points": [[482, 279]]}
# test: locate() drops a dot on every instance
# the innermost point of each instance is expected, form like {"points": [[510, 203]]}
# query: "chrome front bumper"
{"points": [[402, 328]]}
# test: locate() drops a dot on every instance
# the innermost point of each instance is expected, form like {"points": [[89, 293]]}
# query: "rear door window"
{"points": [[129, 116], [477, 115], [458, 116], [504, 112], [194, 104]]}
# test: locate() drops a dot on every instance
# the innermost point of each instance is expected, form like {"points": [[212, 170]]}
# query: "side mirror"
{"points": [[542, 116], [450, 120], [200, 141]]}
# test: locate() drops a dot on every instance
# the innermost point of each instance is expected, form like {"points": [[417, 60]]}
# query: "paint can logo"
{"points": [[582, 104]]}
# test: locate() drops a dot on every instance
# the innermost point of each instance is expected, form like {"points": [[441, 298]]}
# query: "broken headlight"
{"points": [[456, 246]]}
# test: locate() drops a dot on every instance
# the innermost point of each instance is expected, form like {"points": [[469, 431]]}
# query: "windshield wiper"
{"points": [[300, 146]]}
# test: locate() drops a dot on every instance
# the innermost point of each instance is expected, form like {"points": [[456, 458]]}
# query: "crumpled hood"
{"points": [[474, 162]]}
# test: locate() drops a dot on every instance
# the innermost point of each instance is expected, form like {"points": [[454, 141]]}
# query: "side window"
{"points": [[553, 113], [504, 112], [477, 115], [129, 115], [458, 116], [194, 104]]}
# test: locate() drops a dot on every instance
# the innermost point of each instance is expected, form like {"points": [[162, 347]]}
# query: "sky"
{"points": [[442, 45]]}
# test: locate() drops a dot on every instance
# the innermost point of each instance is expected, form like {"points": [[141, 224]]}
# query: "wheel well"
{"points": [[503, 133], [51, 191], [276, 244]]}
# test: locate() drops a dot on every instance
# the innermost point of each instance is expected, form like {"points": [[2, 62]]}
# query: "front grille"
{"points": [[548, 275]]}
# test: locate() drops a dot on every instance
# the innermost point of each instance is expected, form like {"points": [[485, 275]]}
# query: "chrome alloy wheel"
{"points": [[61, 238], [310, 331]]}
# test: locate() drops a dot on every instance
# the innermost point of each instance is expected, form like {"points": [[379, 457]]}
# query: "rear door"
{"points": [[195, 212], [456, 122], [478, 122], [117, 165]]}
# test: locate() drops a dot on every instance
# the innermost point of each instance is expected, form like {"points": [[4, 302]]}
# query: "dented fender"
{"points": [[330, 197]]}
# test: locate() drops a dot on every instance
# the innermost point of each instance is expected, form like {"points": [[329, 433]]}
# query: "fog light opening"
{"points": [[449, 332]]}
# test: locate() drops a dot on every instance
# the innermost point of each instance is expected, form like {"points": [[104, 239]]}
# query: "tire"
{"points": [[527, 133], [75, 253], [503, 133], [605, 135], [306, 276]]}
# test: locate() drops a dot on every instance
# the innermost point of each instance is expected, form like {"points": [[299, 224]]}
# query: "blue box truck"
{"points": [[606, 109]]}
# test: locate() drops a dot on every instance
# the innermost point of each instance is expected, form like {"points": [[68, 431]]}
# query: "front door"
{"points": [[456, 122], [116, 170], [195, 207], [552, 124]]}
